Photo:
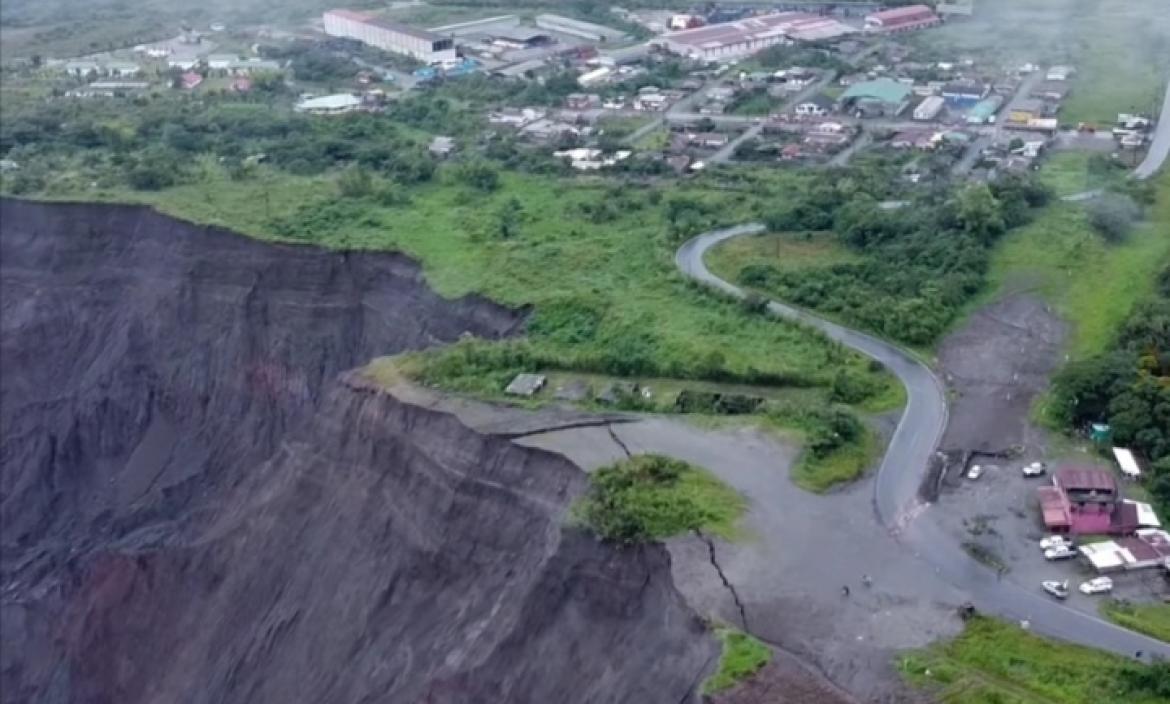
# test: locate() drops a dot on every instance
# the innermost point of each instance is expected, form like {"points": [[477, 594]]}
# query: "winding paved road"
{"points": [[907, 458]]}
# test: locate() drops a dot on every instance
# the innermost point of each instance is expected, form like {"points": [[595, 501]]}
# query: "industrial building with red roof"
{"points": [[902, 19], [1086, 500]]}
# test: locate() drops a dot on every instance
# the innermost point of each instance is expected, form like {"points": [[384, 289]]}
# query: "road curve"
{"points": [[902, 469], [1160, 146]]}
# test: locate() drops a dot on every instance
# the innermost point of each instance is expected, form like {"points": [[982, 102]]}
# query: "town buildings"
{"points": [[329, 104], [577, 28], [390, 36]]}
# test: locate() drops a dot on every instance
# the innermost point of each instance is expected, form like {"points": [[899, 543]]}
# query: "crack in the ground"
{"points": [[568, 425], [689, 694], [726, 582], [616, 439]]}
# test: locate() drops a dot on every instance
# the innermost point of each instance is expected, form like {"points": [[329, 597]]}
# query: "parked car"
{"points": [[975, 472], [1054, 541], [1060, 552], [1097, 585], [1056, 589], [1035, 469]]}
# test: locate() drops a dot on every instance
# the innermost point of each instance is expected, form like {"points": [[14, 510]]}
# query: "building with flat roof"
{"points": [[749, 35], [902, 19], [577, 28], [390, 36], [329, 104], [883, 96]]}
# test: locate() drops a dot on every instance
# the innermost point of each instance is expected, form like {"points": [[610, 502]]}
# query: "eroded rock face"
{"points": [[199, 506]]}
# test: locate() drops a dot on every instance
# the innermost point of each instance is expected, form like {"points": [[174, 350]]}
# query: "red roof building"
{"points": [[190, 80], [1085, 500], [902, 19]]}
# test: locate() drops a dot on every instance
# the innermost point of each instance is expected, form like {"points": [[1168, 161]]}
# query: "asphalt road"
{"points": [[1160, 146], [907, 458]]}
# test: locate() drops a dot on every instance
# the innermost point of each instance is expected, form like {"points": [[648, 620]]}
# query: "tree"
{"points": [[479, 175], [1113, 215], [978, 213]]}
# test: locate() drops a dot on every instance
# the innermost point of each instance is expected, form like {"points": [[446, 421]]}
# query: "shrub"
{"points": [[1113, 215], [650, 497]]}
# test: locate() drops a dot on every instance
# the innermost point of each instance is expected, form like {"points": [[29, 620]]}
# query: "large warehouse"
{"points": [[749, 35], [902, 19], [390, 36]]}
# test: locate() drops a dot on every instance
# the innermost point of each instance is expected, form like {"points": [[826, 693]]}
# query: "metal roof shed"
{"points": [[1125, 460]]}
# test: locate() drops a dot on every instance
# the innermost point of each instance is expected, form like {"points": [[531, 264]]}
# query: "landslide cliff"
{"points": [[198, 504]]}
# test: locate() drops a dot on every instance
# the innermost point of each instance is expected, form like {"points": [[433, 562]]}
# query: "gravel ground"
{"points": [[995, 366], [801, 549]]}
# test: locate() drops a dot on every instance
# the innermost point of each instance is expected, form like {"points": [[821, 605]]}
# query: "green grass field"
{"points": [[742, 657], [1151, 619], [785, 251], [620, 269], [1069, 172], [995, 662], [1092, 284]]}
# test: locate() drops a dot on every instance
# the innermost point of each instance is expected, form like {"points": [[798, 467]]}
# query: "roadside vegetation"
{"points": [[653, 497], [742, 656], [1151, 619], [903, 273], [993, 661]]}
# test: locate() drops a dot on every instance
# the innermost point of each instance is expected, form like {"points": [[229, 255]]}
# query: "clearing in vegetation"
{"points": [[743, 656], [1093, 284], [1151, 619], [652, 497], [993, 661]]}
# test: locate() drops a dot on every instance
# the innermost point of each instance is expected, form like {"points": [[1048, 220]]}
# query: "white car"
{"points": [[1035, 469], [1098, 585], [1056, 589], [1061, 552], [975, 472], [1055, 541]]}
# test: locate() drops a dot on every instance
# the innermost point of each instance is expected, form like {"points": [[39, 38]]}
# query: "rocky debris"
{"points": [[198, 507]]}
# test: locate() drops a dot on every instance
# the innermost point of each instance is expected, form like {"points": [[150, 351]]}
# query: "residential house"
{"points": [[336, 104], [182, 63], [653, 102], [221, 62], [122, 69], [1055, 91], [515, 117], [707, 140], [583, 101], [190, 80], [82, 68], [245, 67], [962, 95], [242, 84], [817, 105], [1026, 109], [1059, 73]]}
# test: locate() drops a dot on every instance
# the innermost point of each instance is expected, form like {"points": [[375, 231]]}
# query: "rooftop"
{"points": [[886, 90], [898, 15], [398, 27], [1085, 479], [748, 29]]}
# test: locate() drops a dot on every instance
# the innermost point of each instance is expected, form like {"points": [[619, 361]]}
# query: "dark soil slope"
{"points": [[199, 506]]}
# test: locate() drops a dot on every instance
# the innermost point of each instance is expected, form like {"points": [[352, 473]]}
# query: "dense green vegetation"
{"points": [[917, 267], [1128, 387], [1151, 619], [652, 497], [993, 661], [742, 657]]}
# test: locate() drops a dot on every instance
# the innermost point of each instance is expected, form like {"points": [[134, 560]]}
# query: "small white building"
{"points": [[1059, 73], [182, 63], [597, 75], [82, 68], [1127, 463], [929, 108], [122, 69], [221, 62], [337, 104]]}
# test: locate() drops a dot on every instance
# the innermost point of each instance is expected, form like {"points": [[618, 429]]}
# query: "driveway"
{"points": [[902, 469]]}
